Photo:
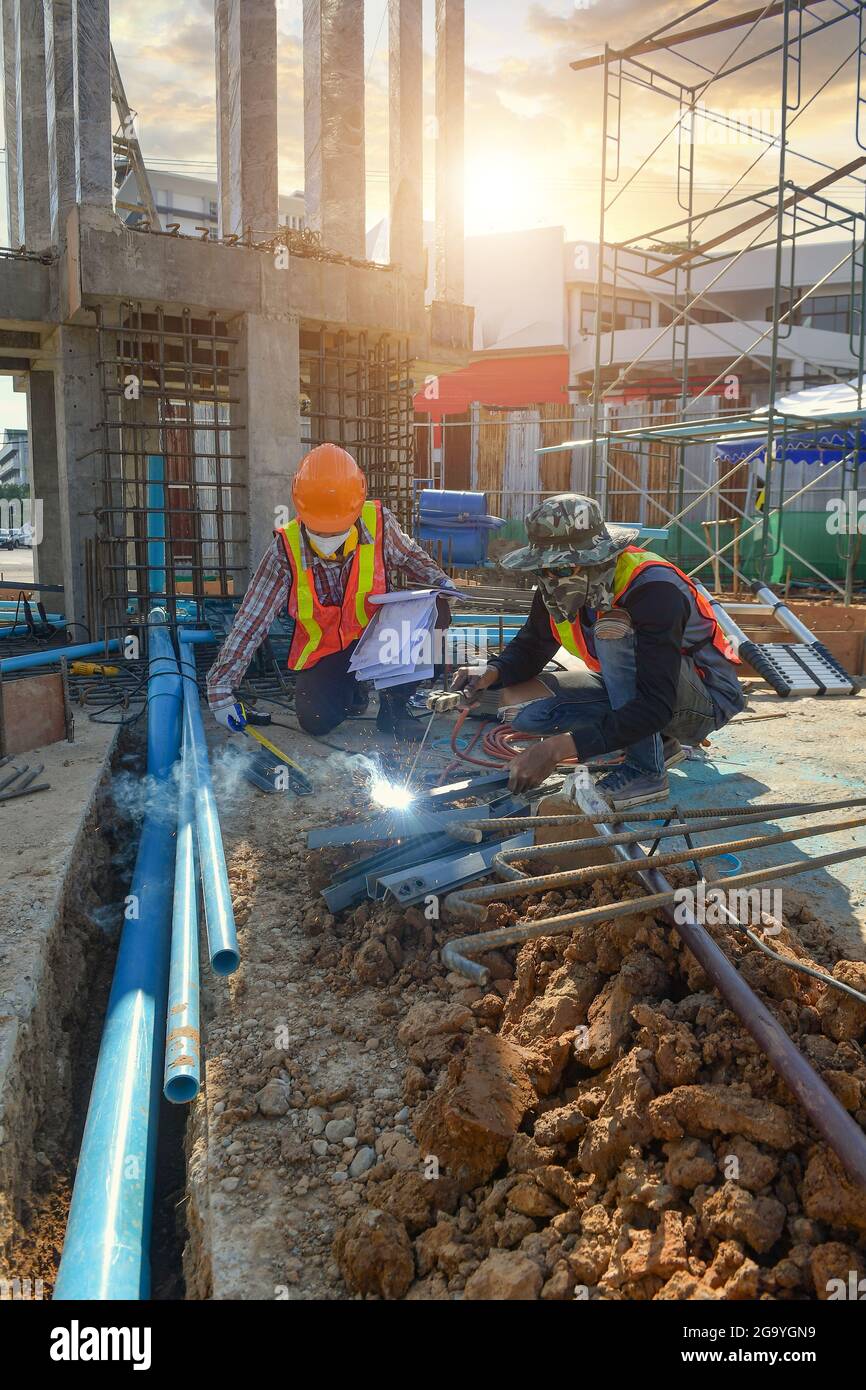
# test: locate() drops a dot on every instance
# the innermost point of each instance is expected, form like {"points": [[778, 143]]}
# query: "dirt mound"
{"points": [[605, 1126]]}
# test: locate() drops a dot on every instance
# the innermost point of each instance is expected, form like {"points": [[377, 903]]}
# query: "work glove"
{"points": [[232, 717], [470, 681]]}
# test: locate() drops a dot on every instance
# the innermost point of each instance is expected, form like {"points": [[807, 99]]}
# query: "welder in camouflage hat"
{"points": [[657, 669]]}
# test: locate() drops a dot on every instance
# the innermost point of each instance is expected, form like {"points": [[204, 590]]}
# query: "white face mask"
{"points": [[329, 545]]}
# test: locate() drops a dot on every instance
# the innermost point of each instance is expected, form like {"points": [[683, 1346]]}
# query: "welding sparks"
{"points": [[392, 795]]}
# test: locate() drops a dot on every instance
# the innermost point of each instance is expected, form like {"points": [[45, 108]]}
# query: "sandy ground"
{"points": [[315, 1063]]}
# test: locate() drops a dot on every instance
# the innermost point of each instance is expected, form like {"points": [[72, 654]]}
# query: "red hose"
{"points": [[497, 741]]}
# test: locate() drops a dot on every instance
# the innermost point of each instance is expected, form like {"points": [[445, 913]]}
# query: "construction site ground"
{"points": [[372, 1125]]}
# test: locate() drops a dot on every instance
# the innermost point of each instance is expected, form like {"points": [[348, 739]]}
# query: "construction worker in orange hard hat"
{"points": [[322, 570]]}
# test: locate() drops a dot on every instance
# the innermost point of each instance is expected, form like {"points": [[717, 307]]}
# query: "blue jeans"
{"points": [[581, 698]]}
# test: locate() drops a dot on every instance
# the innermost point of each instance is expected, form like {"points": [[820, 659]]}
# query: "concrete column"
{"points": [[269, 411], [247, 108], [78, 408], [60, 112], [450, 122], [91, 60], [10, 114], [405, 136], [220, 17], [335, 178], [34, 216], [44, 479]]}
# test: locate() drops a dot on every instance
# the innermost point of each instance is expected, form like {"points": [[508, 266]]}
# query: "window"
{"points": [[696, 315], [830, 312], [630, 313]]}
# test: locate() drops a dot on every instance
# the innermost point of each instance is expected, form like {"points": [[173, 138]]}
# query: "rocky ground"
{"points": [[595, 1125]]}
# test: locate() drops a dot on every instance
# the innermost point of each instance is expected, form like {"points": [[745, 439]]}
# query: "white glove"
{"points": [[231, 717]]}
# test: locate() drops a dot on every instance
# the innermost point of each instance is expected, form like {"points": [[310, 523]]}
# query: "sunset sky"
{"points": [[533, 125]]}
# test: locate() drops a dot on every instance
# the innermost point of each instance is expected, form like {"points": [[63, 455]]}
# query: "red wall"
{"points": [[497, 381]]}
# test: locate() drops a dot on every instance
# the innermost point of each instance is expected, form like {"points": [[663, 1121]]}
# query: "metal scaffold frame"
{"points": [[171, 522], [779, 217]]}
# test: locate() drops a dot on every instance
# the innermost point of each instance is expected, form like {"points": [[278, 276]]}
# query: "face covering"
{"points": [[329, 545], [566, 594]]}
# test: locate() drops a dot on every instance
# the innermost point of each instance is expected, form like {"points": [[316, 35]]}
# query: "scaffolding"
{"points": [[681, 266]]}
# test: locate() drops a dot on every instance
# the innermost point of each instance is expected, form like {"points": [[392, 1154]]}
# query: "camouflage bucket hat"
{"points": [[568, 530]]}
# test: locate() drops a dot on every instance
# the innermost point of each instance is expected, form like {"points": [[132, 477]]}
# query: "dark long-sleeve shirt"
{"points": [[659, 613]]}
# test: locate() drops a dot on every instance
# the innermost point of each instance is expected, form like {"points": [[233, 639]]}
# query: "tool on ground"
{"points": [[297, 776], [804, 667]]}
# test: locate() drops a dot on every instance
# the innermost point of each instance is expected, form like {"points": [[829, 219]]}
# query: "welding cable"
{"points": [[497, 742]]}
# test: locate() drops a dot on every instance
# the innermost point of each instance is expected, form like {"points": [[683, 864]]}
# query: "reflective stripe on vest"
{"points": [[321, 629], [629, 564]]}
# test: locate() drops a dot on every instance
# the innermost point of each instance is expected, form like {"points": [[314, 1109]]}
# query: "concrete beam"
{"points": [[269, 412], [44, 477], [78, 410], [91, 61], [111, 263], [405, 134], [221, 59], [60, 113], [335, 177], [247, 107], [450, 147], [34, 209], [10, 113]]}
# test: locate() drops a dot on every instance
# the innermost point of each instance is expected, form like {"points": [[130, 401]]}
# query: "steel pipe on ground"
{"points": [[219, 914], [106, 1253], [182, 1076]]}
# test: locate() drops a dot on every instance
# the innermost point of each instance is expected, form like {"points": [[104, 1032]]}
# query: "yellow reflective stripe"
{"points": [[366, 562], [627, 564], [565, 633], [304, 597]]}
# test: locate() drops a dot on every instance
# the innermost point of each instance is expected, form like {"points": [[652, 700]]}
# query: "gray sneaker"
{"points": [[626, 786]]}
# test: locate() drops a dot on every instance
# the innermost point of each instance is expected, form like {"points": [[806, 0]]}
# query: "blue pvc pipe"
{"points": [[106, 1253], [21, 630], [218, 910], [47, 656], [156, 524], [182, 1076]]}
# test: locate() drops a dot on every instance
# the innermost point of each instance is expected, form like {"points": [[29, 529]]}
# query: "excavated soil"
{"points": [[597, 1124]]}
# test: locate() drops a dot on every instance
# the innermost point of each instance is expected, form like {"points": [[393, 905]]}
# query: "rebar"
{"points": [[470, 900]]}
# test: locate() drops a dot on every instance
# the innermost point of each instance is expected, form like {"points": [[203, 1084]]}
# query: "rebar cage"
{"points": [[171, 523], [357, 391]]}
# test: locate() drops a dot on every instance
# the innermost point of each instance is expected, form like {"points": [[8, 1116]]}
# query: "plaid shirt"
{"points": [[268, 595]]}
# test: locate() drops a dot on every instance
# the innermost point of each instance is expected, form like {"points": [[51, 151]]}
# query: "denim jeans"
{"points": [[582, 697]]}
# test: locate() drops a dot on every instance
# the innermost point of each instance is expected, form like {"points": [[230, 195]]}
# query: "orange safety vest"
{"points": [[630, 564], [324, 628]]}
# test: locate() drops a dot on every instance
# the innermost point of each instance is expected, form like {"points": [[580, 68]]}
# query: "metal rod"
{"points": [[715, 818], [471, 900]]}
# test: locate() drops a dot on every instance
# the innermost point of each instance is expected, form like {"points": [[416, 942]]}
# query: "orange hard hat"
{"points": [[329, 490]]}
